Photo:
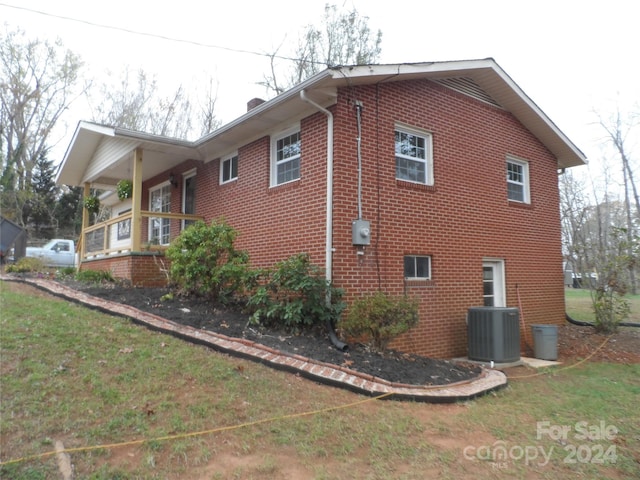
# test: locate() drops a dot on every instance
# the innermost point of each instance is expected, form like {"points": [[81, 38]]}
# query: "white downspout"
{"points": [[329, 232], [328, 259]]}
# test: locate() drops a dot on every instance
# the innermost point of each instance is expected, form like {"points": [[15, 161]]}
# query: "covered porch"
{"points": [[133, 231], [141, 262]]}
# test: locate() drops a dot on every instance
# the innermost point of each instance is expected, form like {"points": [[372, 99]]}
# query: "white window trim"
{"points": [[150, 228], [428, 137], [499, 283], [419, 256], [525, 184], [274, 163], [224, 159], [185, 176]]}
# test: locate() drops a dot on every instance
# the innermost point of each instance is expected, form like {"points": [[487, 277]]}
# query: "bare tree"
{"points": [[340, 39], [597, 244], [38, 82], [133, 101], [207, 117], [573, 215], [617, 132]]}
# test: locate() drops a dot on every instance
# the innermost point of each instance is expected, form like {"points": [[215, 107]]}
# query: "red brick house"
{"points": [[434, 179]]}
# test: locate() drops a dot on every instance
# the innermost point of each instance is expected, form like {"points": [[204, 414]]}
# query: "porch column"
{"points": [[136, 201], [85, 223]]}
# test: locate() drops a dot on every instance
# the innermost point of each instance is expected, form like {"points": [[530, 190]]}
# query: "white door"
{"points": [[493, 291]]}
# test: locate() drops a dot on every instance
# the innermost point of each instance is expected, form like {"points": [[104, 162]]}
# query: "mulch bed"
{"points": [[315, 344]]}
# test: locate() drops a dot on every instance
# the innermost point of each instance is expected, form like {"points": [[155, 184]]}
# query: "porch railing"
{"points": [[113, 236]]}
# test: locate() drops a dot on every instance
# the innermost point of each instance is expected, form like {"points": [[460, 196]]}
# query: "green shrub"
{"points": [[67, 272], [26, 265], [204, 262], [94, 276], [610, 308], [294, 295], [378, 318]]}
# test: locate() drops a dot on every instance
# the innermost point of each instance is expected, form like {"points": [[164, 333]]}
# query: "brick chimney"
{"points": [[253, 103]]}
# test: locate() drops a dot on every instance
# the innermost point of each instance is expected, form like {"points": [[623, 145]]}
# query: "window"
{"points": [[285, 158], [61, 247], [159, 228], [228, 168], [414, 162], [518, 180], [188, 196], [124, 226], [417, 267]]}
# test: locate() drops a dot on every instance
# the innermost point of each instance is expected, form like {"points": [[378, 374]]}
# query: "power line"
{"points": [[150, 35]]}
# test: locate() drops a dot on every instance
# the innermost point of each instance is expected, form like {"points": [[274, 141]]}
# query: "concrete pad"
{"points": [[494, 365], [526, 361], [538, 363]]}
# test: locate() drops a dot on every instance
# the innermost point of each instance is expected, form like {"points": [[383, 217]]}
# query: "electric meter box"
{"points": [[361, 232]]}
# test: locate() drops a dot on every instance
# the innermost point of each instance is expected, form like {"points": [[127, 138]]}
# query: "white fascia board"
{"points": [[541, 115], [293, 93], [493, 79]]}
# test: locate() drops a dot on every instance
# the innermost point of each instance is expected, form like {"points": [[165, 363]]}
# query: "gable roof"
{"points": [[100, 154]]}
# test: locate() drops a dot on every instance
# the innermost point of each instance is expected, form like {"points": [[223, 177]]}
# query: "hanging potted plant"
{"points": [[124, 188], [91, 203]]}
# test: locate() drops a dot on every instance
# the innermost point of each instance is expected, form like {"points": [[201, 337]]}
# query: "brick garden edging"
{"points": [[325, 373]]}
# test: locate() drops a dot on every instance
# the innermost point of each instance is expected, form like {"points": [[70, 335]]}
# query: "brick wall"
{"points": [[464, 218], [273, 223], [142, 269]]}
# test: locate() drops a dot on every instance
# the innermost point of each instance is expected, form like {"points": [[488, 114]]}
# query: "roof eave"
{"points": [[89, 135], [492, 78]]}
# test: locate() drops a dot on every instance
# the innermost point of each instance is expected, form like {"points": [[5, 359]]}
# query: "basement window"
{"points": [[417, 267]]}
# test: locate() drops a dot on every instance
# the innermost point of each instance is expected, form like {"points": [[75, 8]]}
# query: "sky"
{"points": [[573, 58]]}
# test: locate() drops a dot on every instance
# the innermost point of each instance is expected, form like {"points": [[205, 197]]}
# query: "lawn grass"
{"points": [[87, 379], [579, 305]]}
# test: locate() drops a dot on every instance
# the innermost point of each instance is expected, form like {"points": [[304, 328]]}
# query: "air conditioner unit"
{"points": [[493, 334]]}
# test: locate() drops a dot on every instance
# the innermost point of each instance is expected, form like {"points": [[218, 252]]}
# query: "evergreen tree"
{"points": [[68, 211], [38, 82], [43, 200]]}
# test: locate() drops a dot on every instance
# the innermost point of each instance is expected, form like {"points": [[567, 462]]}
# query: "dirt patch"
{"points": [[576, 342]]}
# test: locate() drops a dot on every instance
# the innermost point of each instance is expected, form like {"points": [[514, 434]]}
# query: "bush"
{"points": [[26, 265], [67, 271], [379, 318], [204, 262], [294, 295], [94, 276], [610, 308]]}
